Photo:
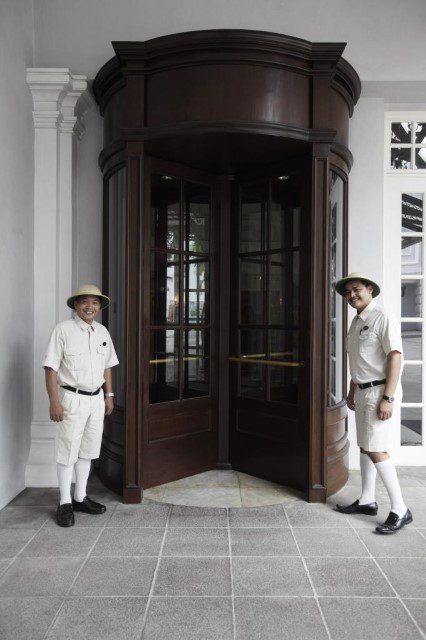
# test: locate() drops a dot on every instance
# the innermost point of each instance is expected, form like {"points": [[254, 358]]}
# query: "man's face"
{"points": [[87, 307], [358, 294]]}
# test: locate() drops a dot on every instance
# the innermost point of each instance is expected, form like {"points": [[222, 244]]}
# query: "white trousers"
{"points": [[79, 435], [373, 434]]}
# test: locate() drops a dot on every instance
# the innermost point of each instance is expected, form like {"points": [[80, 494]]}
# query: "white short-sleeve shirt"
{"points": [[373, 334], [80, 353]]}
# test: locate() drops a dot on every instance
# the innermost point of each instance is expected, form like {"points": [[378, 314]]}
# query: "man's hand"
{"points": [[350, 401], [384, 410], [56, 411], [109, 405]]}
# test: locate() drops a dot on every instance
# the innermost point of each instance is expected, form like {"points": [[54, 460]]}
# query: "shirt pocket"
{"points": [[368, 341], [73, 357], [101, 352]]}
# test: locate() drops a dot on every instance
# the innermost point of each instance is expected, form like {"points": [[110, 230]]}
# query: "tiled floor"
{"points": [[157, 571]]}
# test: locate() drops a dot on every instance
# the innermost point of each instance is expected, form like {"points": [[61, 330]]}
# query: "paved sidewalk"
{"points": [[161, 572]]}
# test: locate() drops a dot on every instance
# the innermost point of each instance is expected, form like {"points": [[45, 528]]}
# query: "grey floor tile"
{"points": [[24, 517], [34, 497], [182, 516], [270, 577], [302, 514], [61, 541], [189, 619], [135, 515], [360, 521], [418, 509], [278, 618], [336, 541], [406, 543], [262, 542], [3, 565], [417, 609], [26, 618], [99, 619], [115, 577], [197, 541], [129, 542], [368, 619], [347, 577], [39, 576], [193, 577], [271, 516], [406, 575], [12, 541]]}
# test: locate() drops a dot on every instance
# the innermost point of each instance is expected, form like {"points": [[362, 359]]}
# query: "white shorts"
{"points": [[373, 434], [79, 435]]}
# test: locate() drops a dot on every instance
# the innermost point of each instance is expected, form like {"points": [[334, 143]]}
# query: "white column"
{"points": [[57, 120]]}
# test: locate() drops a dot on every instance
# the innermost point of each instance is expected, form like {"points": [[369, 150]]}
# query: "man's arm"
{"points": [[393, 368], [56, 409], [109, 402], [350, 399]]}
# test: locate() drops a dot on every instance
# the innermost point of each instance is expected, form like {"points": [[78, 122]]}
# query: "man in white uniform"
{"points": [[79, 358], [375, 358]]}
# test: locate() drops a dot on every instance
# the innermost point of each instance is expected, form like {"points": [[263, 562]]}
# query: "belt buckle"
{"points": [[371, 384]]}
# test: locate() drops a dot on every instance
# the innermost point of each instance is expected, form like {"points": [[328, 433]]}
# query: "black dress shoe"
{"points": [[89, 506], [65, 515], [367, 509], [394, 522]]}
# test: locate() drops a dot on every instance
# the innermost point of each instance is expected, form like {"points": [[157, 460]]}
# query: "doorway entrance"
{"points": [[225, 167]]}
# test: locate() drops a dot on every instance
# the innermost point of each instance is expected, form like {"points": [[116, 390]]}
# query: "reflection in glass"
{"points": [[284, 384], [400, 158], [254, 200], [252, 289], [336, 303], [164, 288], [420, 158], [195, 363], [401, 132], [412, 212], [196, 278], [411, 298], [420, 132], [412, 340], [252, 380], [412, 383], [283, 345], [285, 214], [197, 217], [411, 426], [164, 366], [411, 256], [117, 277], [283, 291], [252, 343], [165, 212]]}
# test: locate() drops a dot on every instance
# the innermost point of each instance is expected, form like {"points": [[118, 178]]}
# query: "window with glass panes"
{"points": [[412, 317], [407, 145]]}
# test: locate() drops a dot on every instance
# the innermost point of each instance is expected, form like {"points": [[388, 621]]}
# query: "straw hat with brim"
{"points": [[356, 275], [88, 290]]}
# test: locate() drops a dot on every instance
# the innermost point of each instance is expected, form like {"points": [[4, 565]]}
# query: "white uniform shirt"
{"points": [[372, 335], [80, 353]]}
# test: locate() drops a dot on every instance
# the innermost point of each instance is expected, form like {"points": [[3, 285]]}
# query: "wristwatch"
{"points": [[389, 398], [109, 395]]}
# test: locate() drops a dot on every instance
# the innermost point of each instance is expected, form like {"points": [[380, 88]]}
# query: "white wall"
{"points": [[385, 37], [16, 244]]}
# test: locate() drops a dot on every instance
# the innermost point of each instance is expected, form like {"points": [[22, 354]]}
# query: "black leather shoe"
{"points": [[367, 509], [65, 515], [89, 506], [394, 522]]}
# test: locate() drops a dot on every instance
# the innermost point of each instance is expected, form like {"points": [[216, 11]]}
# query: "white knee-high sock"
{"points": [[82, 471], [368, 479], [387, 472], [64, 481]]}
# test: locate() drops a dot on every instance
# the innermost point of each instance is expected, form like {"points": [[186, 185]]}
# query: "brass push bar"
{"points": [[163, 360], [275, 363]]}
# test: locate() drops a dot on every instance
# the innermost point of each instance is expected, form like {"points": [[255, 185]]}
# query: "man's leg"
{"points": [[64, 481], [82, 471], [387, 471], [368, 479]]}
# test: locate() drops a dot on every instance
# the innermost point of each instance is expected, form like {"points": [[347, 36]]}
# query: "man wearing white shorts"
{"points": [[375, 358], [79, 358]]}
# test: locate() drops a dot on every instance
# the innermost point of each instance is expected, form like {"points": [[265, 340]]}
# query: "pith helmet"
{"points": [[357, 275], [88, 290]]}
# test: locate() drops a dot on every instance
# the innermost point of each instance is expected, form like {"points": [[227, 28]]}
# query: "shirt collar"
{"points": [[368, 309], [84, 326]]}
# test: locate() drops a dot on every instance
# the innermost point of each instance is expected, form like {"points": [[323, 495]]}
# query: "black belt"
{"points": [[375, 383], [83, 393]]}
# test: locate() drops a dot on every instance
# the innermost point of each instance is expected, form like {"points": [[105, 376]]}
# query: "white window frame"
{"points": [[397, 182]]}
